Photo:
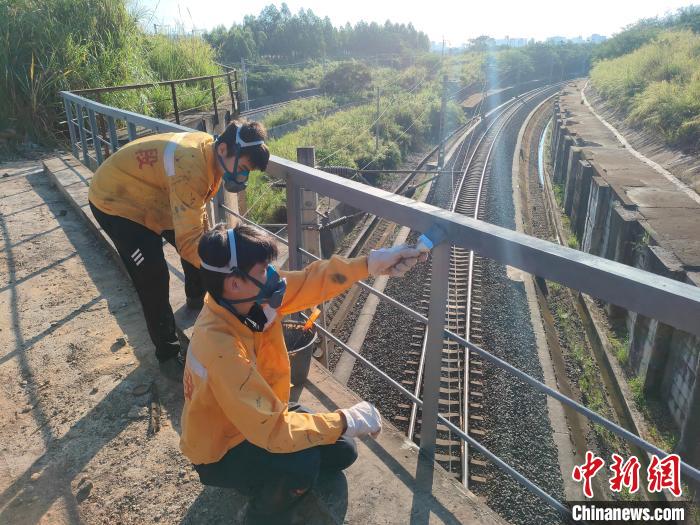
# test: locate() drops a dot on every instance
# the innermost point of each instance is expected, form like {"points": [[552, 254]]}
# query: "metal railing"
{"points": [[231, 76], [672, 302]]}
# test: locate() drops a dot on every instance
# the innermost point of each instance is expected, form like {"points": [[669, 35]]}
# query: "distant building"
{"points": [[511, 42], [597, 39]]}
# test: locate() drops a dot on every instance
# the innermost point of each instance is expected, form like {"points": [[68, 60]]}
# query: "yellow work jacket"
{"points": [[162, 182], [237, 382]]}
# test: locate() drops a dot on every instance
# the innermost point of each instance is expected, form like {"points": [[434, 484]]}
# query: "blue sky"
{"points": [[455, 21]]}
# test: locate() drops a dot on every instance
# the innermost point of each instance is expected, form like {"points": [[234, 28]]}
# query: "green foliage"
{"points": [[297, 110], [644, 31], [267, 79], [508, 66], [658, 85], [348, 78], [347, 138], [621, 349], [180, 57], [54, 45], [263, 201], [279, 34]]}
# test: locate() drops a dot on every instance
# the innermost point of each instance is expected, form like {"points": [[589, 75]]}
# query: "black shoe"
{"points": [[172, 368], [182, 357], [195, 303]]}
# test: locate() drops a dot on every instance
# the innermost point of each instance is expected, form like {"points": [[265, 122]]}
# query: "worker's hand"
{"points": [[394, 261], [362, 419]]}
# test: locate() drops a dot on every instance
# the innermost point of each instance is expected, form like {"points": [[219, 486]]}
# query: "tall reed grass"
{"points": [[657, 86], [53, 45]]}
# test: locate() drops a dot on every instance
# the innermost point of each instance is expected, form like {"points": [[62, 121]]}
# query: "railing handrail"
{"points": [[672, 302], [146, 85]]}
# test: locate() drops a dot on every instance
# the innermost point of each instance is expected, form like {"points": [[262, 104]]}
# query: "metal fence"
{"points": [[672, 302]]}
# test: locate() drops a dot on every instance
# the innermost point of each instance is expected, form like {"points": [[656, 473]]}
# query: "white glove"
{"points": [[362, 419], [394, 261]]}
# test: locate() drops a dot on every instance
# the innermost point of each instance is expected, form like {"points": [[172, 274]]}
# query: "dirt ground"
{"points": [[78, 416]]}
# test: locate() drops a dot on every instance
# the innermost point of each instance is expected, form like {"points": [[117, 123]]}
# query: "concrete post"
{"points": [[689, 444], [310, 235], [598, 208]]}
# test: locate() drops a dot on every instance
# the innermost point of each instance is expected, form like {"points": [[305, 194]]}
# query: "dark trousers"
{"points": [[275, 482], [141, 250]]}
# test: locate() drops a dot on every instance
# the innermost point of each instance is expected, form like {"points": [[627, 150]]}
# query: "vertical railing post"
{"points": [[113, 140], [230, 93], [293, 224], [103, 129], [71, 129], [83, 139], [434, 343], [175, 108], [131, 127], [213, 99], [238, 91], [95, 137]]}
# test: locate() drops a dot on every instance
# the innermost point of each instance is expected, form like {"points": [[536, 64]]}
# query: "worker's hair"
{"points": [[252, 247], [250, 132]]}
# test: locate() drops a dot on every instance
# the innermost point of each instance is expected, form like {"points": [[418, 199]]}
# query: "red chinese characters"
{"points": [[188, 384], [665, 474], [147, 157], [625, 474], [586, 472], [661, 474]]}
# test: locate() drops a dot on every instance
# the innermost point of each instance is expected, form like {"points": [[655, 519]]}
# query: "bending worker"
{"points": [[237, 426], [157, 187]]}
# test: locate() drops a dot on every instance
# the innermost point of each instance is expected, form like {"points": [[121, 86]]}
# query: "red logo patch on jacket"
{"points": [[147, 156]]}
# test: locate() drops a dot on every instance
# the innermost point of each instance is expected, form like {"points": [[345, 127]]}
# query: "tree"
{"points": [[349, 78]]}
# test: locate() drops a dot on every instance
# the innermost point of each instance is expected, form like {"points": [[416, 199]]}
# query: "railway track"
{"points": [[376, 233], [462, 374]]}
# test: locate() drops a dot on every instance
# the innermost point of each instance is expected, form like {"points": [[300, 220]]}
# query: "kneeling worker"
{"points": [[157, 187], [238, 428]]}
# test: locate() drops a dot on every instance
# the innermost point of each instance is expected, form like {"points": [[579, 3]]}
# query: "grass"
{"points": [[298, 110], [571, 238], [54, 45], [657, 86], [348, 138], [621, 348], [655, 414], [652, 409], [589, 383]]}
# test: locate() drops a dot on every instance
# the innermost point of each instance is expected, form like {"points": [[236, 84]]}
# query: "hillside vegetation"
{"points": [[657, 85], [53, 45]]}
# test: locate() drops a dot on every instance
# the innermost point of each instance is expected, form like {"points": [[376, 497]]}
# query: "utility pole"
{"points": [[443, 110], [246, 103], [376, 125]]}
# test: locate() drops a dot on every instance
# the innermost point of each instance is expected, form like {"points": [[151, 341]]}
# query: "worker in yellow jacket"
{"points": [[237, 426], [156, 188]]}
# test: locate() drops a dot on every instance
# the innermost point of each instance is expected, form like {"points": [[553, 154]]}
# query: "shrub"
{"points": [[348, 78]]}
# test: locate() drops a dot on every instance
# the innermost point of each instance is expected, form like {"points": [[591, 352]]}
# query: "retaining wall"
{"points": [[622, 209]]}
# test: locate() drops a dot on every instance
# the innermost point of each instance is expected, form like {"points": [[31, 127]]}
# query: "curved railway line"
{"points": [[461, 375]]}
